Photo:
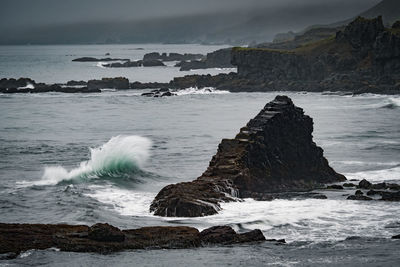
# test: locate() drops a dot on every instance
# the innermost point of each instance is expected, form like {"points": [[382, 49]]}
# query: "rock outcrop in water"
{"points": [[273, 153], [218, 59], [103, 238], [26, 85], [109, 83]]}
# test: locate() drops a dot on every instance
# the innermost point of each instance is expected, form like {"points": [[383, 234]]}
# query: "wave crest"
{"points": [[119, 157]]}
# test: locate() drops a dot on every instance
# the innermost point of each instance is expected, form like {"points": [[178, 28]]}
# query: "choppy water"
{"points": [[52, 63], [79, 158]]}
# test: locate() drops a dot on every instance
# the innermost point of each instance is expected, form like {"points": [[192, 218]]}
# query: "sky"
{"points": [[31, 13]]}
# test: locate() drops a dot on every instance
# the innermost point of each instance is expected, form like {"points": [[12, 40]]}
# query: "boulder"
{"points": [[364, 184], [335, 186], [273, 153]]}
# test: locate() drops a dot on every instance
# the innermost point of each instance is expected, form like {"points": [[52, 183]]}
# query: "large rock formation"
{"points": [[357, 59], [273, 153], [218, 59], [103, 238]]}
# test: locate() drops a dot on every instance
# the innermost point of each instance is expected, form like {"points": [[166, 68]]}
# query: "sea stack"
{"points": [[273, 153]]}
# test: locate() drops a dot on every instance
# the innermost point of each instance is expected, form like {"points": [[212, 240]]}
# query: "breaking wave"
{"points": [[121, 156], [392, 103]]}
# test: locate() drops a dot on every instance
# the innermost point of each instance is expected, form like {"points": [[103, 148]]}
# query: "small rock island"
{"points": [[273, 153]]}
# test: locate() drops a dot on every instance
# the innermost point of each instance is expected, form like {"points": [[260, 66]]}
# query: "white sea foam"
{"points": [[202, 91], [120, 154], [126, 202], [28, 86], [377, 175]]}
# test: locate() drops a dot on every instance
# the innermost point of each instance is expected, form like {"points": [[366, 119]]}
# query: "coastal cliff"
{"points": [[364, 57], [273, 153]]}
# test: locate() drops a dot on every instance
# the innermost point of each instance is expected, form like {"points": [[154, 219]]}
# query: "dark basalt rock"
{"points": [[172, 56], [359, 197], [390, 196], [359, 193], [396, 237], [105, 233], [218, 59], [126, 64], [364, 184], [159, 93], [102, 238], [109, 83], [14, 83], [76, 83], [153, 63], [359, 60], [273, 153]]}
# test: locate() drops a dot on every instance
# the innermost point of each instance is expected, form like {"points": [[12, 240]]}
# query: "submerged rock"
{"points": [[102, 238], [273, 153]]}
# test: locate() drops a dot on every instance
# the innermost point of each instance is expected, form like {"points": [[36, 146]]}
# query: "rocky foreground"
{"points": [[103, 238], [273, 153]]}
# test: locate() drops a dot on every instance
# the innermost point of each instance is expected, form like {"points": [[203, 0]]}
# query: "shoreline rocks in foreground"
{"points": [[104, 238], [273, 153]]}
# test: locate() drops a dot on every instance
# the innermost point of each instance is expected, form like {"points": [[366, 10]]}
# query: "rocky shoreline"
{"points": [[105, 238]]}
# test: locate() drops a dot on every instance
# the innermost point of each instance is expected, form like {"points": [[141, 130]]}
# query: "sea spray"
{"points": [[119, 156]]}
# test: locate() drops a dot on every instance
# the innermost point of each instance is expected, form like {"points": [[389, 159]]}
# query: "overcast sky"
{"points": [[16, 13]]}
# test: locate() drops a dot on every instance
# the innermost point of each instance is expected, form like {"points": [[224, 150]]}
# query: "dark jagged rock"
{"points": [[104, 232], [359, 193], [76, 83], [26, 85], [151, 85], [390, 196], [102, 238], [93, 59], [396, 237], [109, 83], [364, 184], [126, 64], [14, 83], [349, 185], [358, 59], [273, 153], [218, 59], [359, 197], [159, 93], [153, 63], [172, 56]]}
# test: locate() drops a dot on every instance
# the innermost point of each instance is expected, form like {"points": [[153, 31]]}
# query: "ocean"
{"points": [[88, 158]]}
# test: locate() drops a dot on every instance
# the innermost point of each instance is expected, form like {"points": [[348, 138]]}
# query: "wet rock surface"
{"points": [[370, 191], [103, 238], [273, 153]]}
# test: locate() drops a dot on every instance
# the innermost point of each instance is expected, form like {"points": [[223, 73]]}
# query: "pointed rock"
{"points": [[273, 153]]}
